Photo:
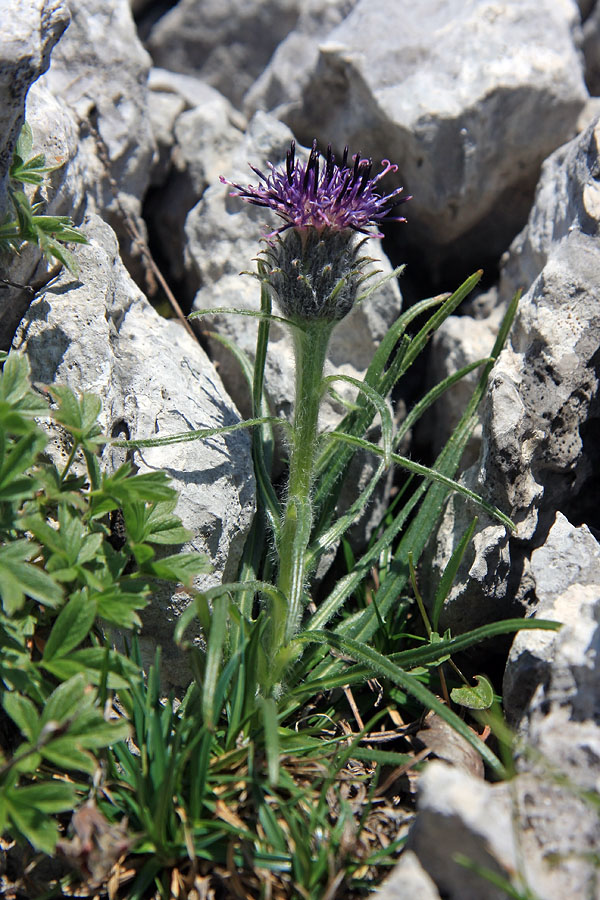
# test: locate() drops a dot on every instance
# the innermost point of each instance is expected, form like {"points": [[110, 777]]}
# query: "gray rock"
{"points": [[585, 8], [459, 341], [567, 199], [30, 29], [280, 88], [461, 814], [569, 556], [564, 571], [591, 50], [197, 143], [114, 140], [226, 43], [223, 239], [95, 127], [551, 693], [140, 6], [410, 82], [99, 334], [408, 881], [196, 129], [532, 832], [101, 41], [539, 454]]}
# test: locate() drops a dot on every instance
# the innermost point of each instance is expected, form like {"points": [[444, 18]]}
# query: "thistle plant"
{"points": [[314, 266]]}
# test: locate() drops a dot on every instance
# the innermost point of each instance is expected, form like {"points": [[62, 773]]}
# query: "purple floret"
{"points": [[338, 196]]}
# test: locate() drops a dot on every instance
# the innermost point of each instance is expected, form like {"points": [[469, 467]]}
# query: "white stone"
{"points": [[99, 334]]}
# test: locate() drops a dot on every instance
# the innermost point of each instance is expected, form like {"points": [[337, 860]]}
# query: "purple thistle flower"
{"points": [[337, 197]]}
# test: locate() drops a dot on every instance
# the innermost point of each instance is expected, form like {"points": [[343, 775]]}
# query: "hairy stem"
{"points": [[310, 348]]}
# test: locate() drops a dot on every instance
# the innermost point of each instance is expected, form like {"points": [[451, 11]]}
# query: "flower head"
{"points": [[312, 262], [337, 196]]}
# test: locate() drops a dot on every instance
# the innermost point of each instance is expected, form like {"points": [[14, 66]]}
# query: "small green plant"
{"points": [[65, 584], [25, 224]]}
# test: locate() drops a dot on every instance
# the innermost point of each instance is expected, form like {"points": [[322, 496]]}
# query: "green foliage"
{"points": [[220, 778], [274, 649], [26, 224], [64, 584]]}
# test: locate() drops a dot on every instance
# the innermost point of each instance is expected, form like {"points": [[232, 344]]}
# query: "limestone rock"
{"points": [[91, 124], [459, 341], [539, 453], [531, 832], [567, 200], [591, 50], [100, 42], [458, 813], [551, 695], [30, 29], [565, 569], [207, 119], [469, 129], [99, 334], [226, 43], [114, 145], [280, 87], [195, 128], [408, 881]]}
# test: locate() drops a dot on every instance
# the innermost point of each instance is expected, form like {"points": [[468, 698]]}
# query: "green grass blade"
{"points": [[328, 538], [262, 441], [382, 375], [431, 653], [271, 736], [214, 653], [346, 586], [253, 313], [362, 625], [380, 405], [432, 396], [383, 666], [430, 474], [449, 574], [448, 307]]}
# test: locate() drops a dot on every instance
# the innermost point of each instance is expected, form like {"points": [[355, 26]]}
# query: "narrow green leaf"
{"points": [[428, 473], [253, 313], [380, 405], [214, 652], [449, 573], [199, 433], [271, 735]]}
